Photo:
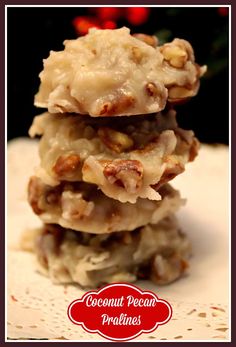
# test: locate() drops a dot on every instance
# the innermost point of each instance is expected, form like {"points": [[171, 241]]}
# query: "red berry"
{"points": [[83, 24], [137, 15], [109, 13], [223, 11], [109, 24]]}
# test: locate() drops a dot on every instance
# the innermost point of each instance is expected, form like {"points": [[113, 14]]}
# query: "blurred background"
{"points": [[33, 32]]}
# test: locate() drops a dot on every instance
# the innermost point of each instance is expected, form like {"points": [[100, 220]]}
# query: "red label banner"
{"points": [[119, 311]]}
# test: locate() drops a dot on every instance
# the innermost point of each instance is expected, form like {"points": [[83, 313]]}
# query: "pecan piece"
{"points": [[148, 39], [151, 89], [136, 55], [115, 140], [120, 104], [35, 192], [41, 195], [125, 173], [53, 196], [66, 165], [193, 152], [168, 175], [175, 55]]}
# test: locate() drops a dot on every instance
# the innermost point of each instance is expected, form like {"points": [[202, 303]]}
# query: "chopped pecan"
{"points": [[125, 173], [177, 52], [148, 39], [193, 152], [119, 105], [53, 196], [151, 89], [186, 143], [175, 55], [35, 192], [136, 55], [39, 195], [115, 140], [66, 165], [171, 171]]}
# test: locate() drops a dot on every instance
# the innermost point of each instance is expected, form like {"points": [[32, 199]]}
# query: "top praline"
{"points": [[112, 73]]}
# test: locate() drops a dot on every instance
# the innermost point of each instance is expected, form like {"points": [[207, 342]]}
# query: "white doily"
{"points": [[37, 308]]}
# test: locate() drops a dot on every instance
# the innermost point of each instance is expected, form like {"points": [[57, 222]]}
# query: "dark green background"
{"points": [[33, 32]]}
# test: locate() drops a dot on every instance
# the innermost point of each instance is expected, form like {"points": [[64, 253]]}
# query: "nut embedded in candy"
{"points": [[101, 187], [67, 165], [81, 207], [77, 148], [127, 173], [105, 73], [115, 140], [148, 39]]}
